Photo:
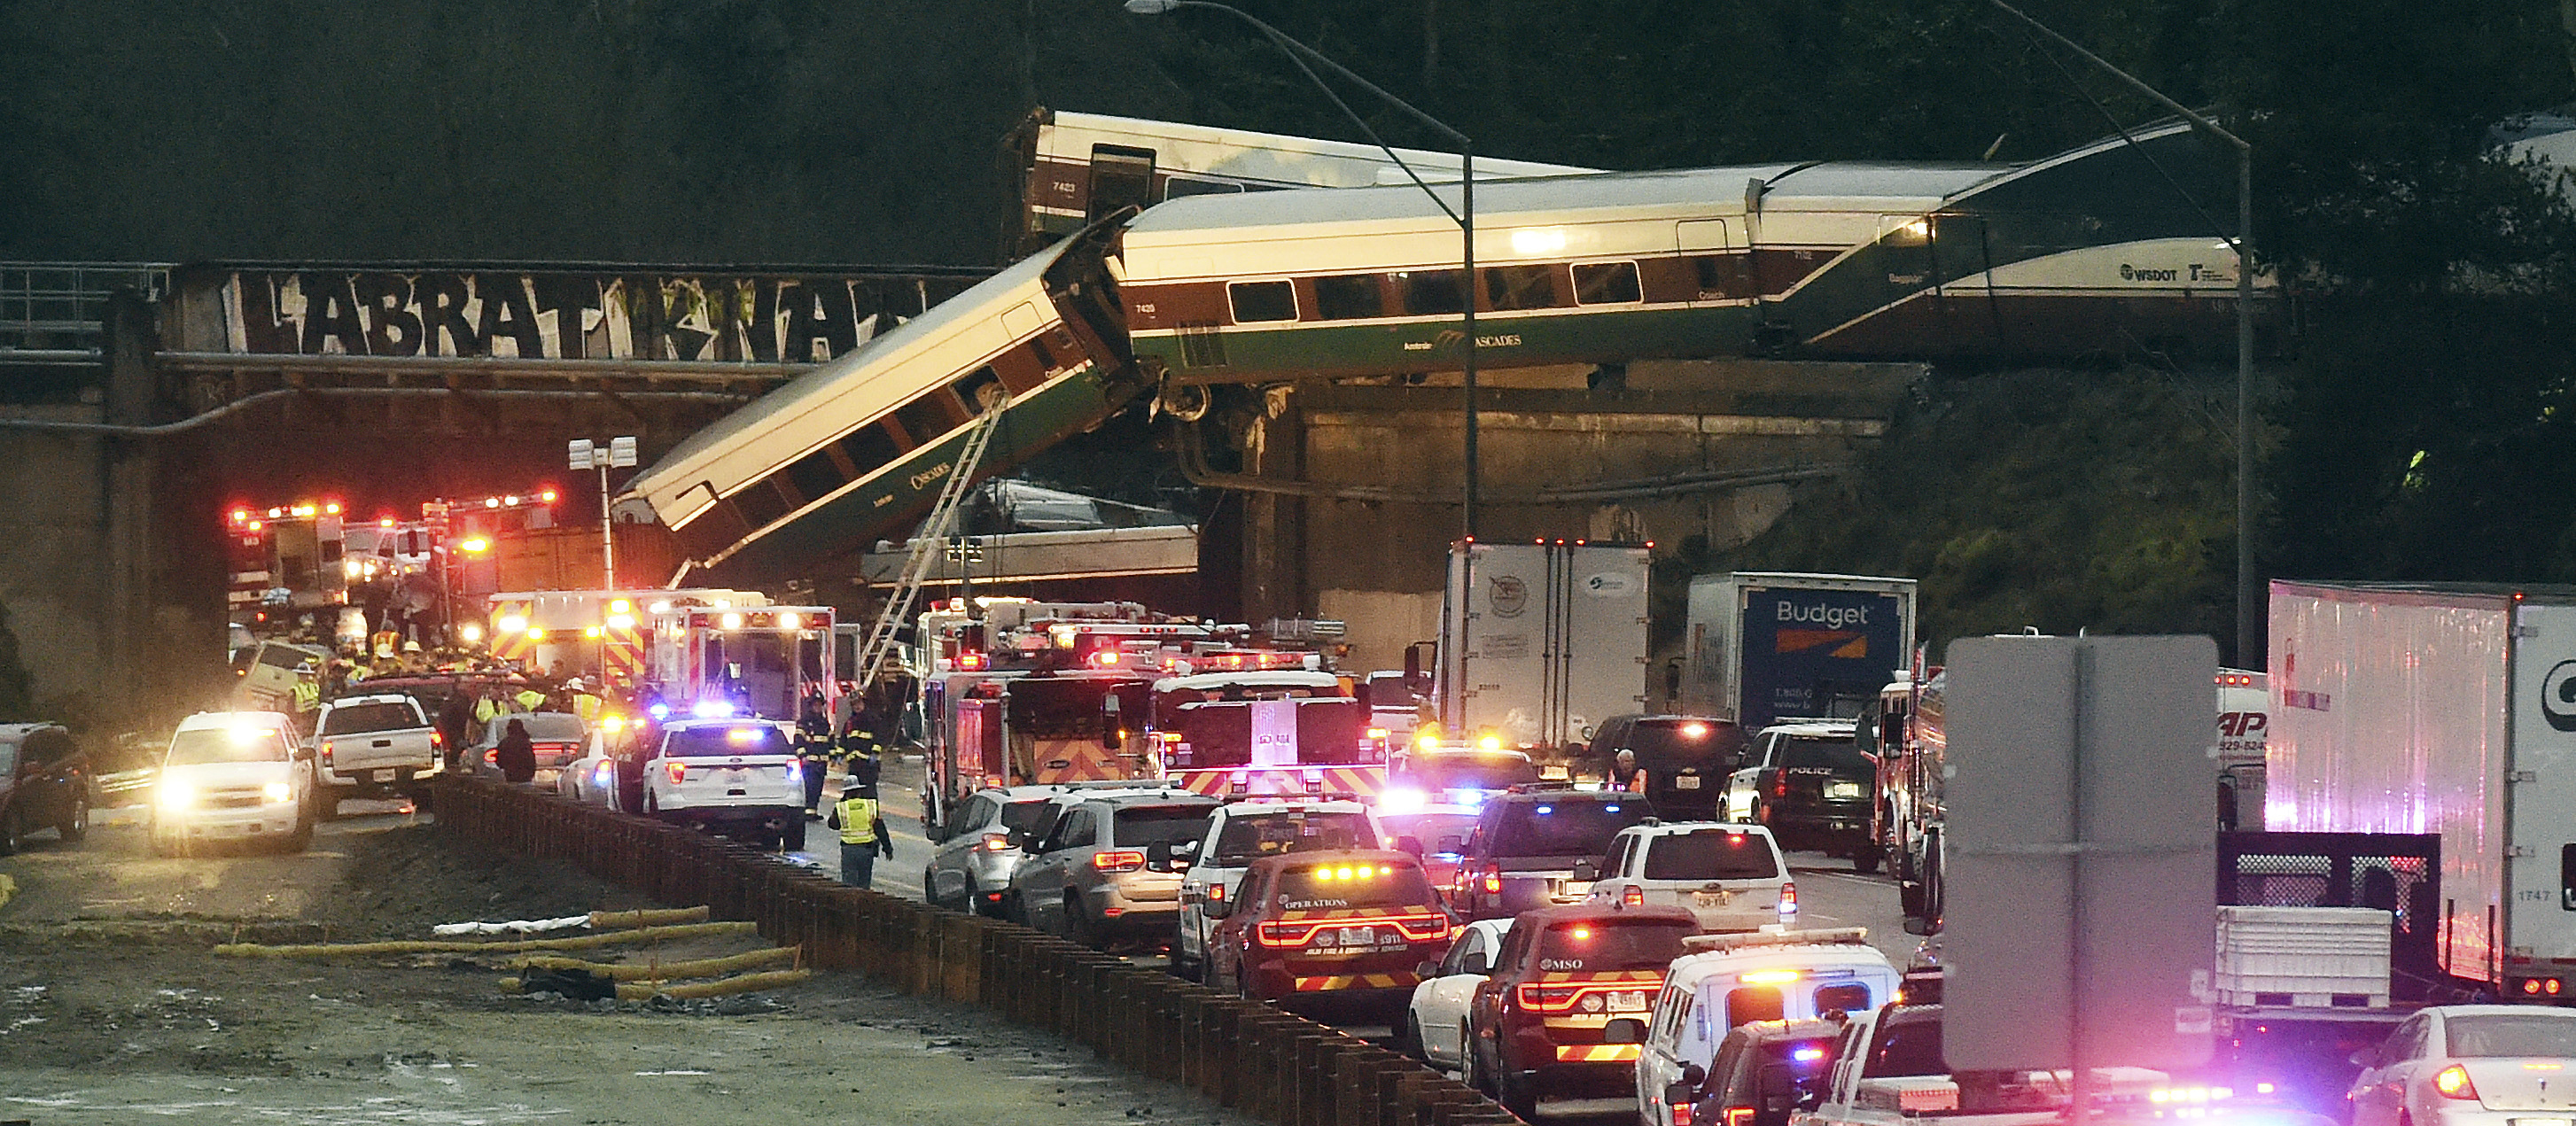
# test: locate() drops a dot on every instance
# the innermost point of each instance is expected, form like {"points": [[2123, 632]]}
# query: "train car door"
{"points": [[1121, 177]]}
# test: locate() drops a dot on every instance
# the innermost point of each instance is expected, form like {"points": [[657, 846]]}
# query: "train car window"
{"points": [[1606, 283], [1432, 293], [1176, 187], [929, 416], [1349, 297], [759, 505], [981, 390], [814, 475], [1720, 275], [1121, 177], [869, 447], [1521, 287], [1262, 301]]}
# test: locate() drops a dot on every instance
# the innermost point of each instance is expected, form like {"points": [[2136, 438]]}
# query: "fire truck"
{"points": [[1267, 721], [284, 563], [1015, 692], [708, 654], [1040, 693], [591, 631]]}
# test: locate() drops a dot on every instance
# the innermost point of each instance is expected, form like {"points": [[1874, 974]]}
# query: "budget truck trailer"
{"points": [[2446, 709], [1764, 645]]}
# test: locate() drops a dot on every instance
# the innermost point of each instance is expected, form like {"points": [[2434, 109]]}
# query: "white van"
{"points": [[233, 776], [1734, 979]]}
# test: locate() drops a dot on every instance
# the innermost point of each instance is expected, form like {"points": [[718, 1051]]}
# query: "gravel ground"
{"points": [[113, 1007]]}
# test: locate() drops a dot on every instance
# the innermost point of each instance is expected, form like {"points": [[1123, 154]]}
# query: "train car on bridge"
{"points": [[864, 442], [2091, 252], [1081, 168]]}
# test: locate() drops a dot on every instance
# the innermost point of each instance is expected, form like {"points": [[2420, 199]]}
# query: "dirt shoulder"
{"points": [[113, 1004]]}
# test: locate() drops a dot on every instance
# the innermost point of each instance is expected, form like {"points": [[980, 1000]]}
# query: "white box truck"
{"points": [[1765, 645], [2441, 709], [1541, 642]]}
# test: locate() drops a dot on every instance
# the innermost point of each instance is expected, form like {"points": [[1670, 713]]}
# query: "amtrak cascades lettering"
{"points": [[566, 316]]}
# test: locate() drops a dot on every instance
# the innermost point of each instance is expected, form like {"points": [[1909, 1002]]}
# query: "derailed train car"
{"points": [[2088, 253], [814, 469], [2091, 253]]}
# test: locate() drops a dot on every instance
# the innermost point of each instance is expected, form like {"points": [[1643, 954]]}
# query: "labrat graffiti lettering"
{"points": [[567, 315]]}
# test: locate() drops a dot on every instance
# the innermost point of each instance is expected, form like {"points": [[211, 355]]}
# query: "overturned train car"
{"points": [[816, 469]]}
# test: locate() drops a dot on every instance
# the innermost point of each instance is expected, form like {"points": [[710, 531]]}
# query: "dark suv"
{"points": [[1527, 844], [1808, 782], [1685, 759], [44, 783], [1763, 1072], [1539, 1026]]}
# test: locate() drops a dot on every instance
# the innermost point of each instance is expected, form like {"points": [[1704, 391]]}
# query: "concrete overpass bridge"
{"points": [[143, 400]]}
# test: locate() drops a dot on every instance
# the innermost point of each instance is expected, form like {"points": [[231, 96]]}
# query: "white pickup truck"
{"points": [[1888, 1071], [374, 746]]}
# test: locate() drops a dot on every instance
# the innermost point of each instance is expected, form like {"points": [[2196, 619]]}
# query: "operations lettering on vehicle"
{"points": [[1287, 904]]}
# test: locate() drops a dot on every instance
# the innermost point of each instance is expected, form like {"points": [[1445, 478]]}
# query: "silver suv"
{"points": [[973, 856], [1088, 877]]}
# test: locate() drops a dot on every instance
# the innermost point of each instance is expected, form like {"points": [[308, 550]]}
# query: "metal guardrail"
{"points": [[59, 306], [1246, 1055]]}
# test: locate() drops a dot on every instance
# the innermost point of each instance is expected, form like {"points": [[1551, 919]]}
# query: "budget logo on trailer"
{"points": [[1836, 643]]}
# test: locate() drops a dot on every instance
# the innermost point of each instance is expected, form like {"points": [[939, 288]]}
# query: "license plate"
{"points": [[1573, 890], [1843, 790], [384, 776], [1686, 782], [1712, 898], [2537, 1122], [1628, 1002]]}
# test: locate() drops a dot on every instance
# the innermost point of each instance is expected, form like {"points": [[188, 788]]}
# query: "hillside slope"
{"points": [[2064, 500]]}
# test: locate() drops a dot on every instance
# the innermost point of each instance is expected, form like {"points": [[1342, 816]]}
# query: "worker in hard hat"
{"points": [[307, 694], [579, 700]]}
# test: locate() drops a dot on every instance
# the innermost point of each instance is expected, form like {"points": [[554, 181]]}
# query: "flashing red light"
{"points": [[254, 525], [970, 661], [331, 508], [1105, 658], [547, 496], [240, 514], [384, 521]]}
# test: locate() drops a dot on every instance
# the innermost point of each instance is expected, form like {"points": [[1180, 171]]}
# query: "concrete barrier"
{"points": [[1273, 1066]]}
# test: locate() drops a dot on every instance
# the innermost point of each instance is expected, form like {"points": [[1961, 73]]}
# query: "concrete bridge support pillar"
{"points": [[129, 466]]}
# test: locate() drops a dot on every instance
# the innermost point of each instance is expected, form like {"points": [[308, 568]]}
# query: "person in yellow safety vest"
{"points": [[863, 834], [529, 699], [308, 691], [577, 696]]}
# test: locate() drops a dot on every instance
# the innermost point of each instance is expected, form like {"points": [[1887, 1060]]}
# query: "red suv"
{"points": [[1536, 1027], [1329, 934]]}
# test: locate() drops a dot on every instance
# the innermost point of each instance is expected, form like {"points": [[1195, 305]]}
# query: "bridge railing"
{"points": [[1268, 1064]]}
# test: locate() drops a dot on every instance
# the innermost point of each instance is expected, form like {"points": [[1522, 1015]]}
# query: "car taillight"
{"points": [[1681, 1114], [1548, 998], [1739, 1116], [493, 756], [437, 742], [2453, 1083], [1780, 785], [326, 752], [996, 842], [1283, 934], [1493, 879], [679, 771], [1788, 898], [1632, 896], [1117, 860]]}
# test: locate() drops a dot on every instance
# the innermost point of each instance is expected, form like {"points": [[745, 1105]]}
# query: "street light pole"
{"points": [[619, 454], [1465, 214], [2249, 595]]}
